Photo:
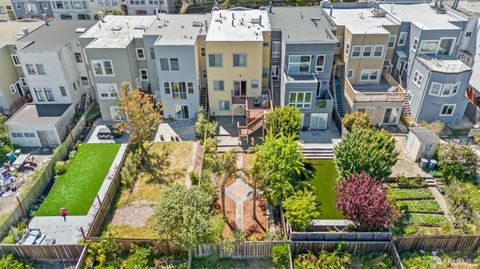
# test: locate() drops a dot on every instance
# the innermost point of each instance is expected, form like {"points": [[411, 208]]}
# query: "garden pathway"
{"points": [[442, 202], [238, 192]]}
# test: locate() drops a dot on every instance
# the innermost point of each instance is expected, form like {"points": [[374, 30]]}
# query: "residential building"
{"points": [[470, 55], [107, 7], [366, 43], [174, 48], [71, 10], [302, 52], [54, 68], [430, 36], [32, 9], [6, 11], [14, 90], [150, 7], [238, 52], [115, 54]]}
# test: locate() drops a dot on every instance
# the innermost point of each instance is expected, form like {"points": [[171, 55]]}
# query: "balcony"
{"points": [[388, 90], [256, 108]]}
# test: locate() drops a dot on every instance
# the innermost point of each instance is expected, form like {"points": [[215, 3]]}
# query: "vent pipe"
{"points": [[331, 10], [45, 19], [24, 31], [100, 16], [270, 7]]}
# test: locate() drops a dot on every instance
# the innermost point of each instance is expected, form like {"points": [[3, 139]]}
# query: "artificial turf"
{"points": [[76, 189], [324, 182]]}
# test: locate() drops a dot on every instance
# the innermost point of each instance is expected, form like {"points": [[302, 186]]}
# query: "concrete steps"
{"points": [[318, 152], [228, 143]]}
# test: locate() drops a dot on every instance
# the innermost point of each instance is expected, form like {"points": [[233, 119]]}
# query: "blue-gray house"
{"points": [[302, 52], [32, 8]]}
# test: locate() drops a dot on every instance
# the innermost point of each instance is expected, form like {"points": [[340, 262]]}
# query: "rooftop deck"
{"points": [[387, 90]]}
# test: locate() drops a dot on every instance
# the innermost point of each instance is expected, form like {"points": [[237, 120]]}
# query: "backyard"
{"points": [[77, 188], [134, 213], [324, 182]]}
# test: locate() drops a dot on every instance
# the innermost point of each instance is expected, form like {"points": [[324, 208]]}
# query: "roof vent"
{"points": [[139, 27], [80, 30], [116, 28], [197, 24]]}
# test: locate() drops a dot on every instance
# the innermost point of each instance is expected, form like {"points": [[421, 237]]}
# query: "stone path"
{"points": [[238, 192], [442, 203]]}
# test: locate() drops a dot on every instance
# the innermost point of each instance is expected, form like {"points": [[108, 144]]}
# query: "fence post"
{"points": [[21, 207], [98, 198], [189, 262]]}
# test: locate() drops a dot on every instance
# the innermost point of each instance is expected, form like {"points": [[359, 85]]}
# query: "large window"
{"points": [[102, 67], [215, 60], [178, 89], [402, 39], [115, 111], [275, 70], [369, 75], [435, 89], [174, 64], [218, 85], [300, 99], [224, 105], [356, 51], [367, 110], [239, 60], [446, 46], [39, 94], [417, 78], [378, 52], [275, 49], [415, 44], [78, 57], [447, 90], [447, 110], [429, 46], [299, 63], [140, 54], [49, 94], [107, 90], [367, 51], [143, 74], [181, 112], [391, 41], [320, 64], [35, 69]]}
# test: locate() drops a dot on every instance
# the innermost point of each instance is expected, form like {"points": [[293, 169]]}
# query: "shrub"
{"points": [[416, 182], [60, 168], [338, 259], [280, 255], [203, 127], [457, 162], [301, 208], [103, 253], [356, 120], [72, 154], [8, 261], [194, 177], [130, 169], [284, 121], [139, 258], [437, 126], [369, 150]]}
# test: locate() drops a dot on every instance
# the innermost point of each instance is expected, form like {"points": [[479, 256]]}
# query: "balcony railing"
{"points": [[393, 94]]}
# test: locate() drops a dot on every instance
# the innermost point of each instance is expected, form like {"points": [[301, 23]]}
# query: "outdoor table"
{"points": [[20, 160]]}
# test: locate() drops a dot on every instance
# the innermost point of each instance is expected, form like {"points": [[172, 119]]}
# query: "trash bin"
{"points": [[423, 163], [432, 165]]}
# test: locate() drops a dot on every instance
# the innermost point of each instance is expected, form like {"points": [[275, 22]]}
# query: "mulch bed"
{"points": [[254, 228]]}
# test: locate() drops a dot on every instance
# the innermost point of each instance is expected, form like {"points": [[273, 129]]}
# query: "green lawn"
{"points": [[324, 182], [77, 188]]}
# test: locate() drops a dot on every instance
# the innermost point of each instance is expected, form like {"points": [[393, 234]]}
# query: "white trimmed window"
{"points": [[447, 110], [415, 44], [356, 51], [378, 52], [367, 110], [369, 75], [190, 88], [300, 99], [107, 90], [224, 105], [35, 69], [417, 78], [24, 82], [456, 87], [320, 63], [218, 85], [435, 89], [350, 73], [215, 60], [447, 90], [239, 60], [275, 49], [143, 74], [15, 59], [429, 46], [115, 112], [347, 49], [140, 54], [299, 63], [367, 51], [275, 70], [391, 41], [13, 90], [402, 39], [102, 68]]}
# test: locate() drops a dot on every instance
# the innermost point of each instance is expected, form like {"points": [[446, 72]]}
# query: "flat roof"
{"points": [[423, 15], [238, 24], [360, 20], [55, 35], [38, 114], [178, 29], [10, 31], [301, 23], [117, 31], [425, 135], [475, 79], [451, 65]]}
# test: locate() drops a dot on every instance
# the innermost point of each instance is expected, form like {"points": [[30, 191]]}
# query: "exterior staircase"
{"points": [[338, 93], [318, 152], [204, 98], [406, 104]]}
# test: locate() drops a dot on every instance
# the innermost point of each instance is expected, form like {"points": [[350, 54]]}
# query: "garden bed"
{"points": [[410, 193], [77, 188], [227, 263], [439, 259], [421, 206], [325, 179]]}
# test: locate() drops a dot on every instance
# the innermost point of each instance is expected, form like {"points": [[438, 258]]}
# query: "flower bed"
{"points": [[425, 206], [431, 220], [410, 194]]}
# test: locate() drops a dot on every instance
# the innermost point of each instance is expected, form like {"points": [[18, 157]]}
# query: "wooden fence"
{"points": [[107, 202], [340, 236], [241, 250], [44, 252], [440, 242], [28, 198], [158, 245]]}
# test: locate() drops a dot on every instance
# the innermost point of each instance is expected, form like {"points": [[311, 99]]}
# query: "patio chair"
{"points": [[177, 138], [162, 138], [172, 138]]}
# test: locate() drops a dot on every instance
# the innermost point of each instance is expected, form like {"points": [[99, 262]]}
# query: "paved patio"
{"points": [[405, 165], [183, 129], [328, 136], [97, 125]]}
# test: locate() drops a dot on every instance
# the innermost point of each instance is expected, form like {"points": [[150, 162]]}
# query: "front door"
{"points": [[42, 135], [390, 116], [240, 88], [318, 121]]}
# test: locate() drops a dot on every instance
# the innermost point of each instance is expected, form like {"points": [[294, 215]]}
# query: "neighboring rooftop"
{"points": [[360, 20], [55, 35], [117, 31], [475, 79], [238, 24], [178, 29], [10, 31], [424, 16], [38, 114], [425, 135], [301, 23], [443, 65]]}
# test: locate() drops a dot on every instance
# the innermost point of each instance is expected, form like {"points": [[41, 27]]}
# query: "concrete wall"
{"points": [[8, 76]]}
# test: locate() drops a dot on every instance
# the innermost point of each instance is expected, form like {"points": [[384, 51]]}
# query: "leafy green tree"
{"points": [[280, 254], [139, 258], [284, 121], [254, 177], [182, 215], [8, 261], [203, 127], [437, 126], [224, 169], [369, 150], [338, 259], [300, 209], [282, 165], [356, 120], [457, 162], [104, 253]]}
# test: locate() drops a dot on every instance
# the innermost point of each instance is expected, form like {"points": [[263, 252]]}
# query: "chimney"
{"points": [[331, 10], [24, 31], [45, 19], [100, 16], [270, 7]]}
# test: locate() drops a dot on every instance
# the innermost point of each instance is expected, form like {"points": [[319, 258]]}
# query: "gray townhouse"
{"points": [[55, 72], [71, 10], [115, 54], [150, 7], [32, 9], [302, 53], [425, 59], [175, 47]]}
